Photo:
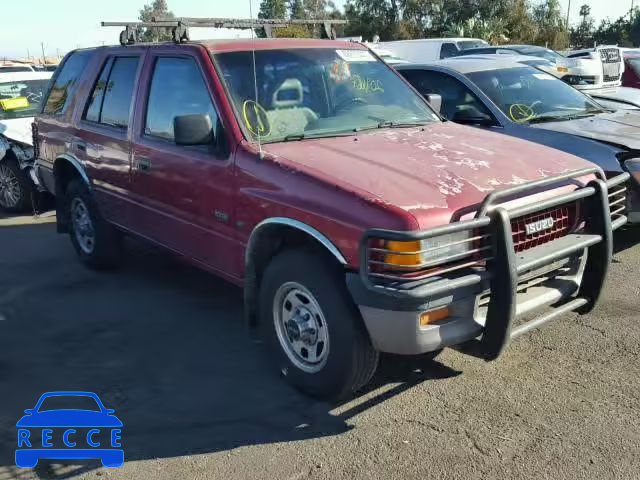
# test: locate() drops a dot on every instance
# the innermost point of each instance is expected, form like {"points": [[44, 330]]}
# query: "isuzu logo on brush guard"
{"points": [[539, 226]]}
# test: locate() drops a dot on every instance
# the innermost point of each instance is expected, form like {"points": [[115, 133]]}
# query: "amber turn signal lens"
{"points": [[563, 69], [406, 260], [427, 318]]}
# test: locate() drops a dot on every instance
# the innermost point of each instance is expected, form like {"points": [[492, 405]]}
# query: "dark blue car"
{"points": [[524, 102], [83, 432]]}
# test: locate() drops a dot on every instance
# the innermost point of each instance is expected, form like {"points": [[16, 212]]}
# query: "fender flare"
{"points": [[75, 163], [290, 222]]}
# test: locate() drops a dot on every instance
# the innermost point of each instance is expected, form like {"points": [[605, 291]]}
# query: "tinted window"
{"points": [[448, 50], [92, 113], [457, 99], [65, 83], [112, 95], [15, 69], [177, 88]]}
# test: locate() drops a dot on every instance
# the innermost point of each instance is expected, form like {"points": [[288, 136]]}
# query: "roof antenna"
{"points": [[255, 76]]}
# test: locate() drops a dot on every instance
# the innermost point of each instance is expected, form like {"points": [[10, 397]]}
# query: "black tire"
{"points": [[351, 360], [107, 240], [22, 181]]}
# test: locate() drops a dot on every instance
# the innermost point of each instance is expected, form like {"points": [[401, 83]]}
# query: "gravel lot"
{"points": [[165, 346]]}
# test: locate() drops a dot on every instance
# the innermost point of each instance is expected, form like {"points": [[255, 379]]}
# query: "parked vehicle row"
{"points": [[309, 172]]}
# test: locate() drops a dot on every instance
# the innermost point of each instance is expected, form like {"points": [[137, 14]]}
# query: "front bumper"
{"points": [[486, 305]]}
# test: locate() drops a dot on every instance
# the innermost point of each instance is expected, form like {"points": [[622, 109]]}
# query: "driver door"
{"points": [[183, 194]]}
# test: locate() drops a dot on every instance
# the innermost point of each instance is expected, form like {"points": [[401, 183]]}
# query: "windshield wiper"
{"points": [[561, 118], [390, 124], [292, 137]]}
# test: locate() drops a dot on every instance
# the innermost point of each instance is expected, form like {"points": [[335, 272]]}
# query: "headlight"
{"points": [[430, 252]]}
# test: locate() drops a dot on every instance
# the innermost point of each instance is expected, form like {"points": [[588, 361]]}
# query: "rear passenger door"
{"points": [[105, 146], [183, 194]]}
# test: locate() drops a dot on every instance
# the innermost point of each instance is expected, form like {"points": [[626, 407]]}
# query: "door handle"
{"points": [[142, 164]]}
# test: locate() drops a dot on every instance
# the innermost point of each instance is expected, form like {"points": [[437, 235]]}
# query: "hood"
{"points": [[444, 166], [18, 129], [618, 94], [620, 128]]}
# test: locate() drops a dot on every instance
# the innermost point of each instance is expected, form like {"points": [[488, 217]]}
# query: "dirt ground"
{"points": [[165, 346]]}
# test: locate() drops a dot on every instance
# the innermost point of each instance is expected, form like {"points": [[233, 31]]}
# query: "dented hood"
{"points": [[620, 128], [17, 129], [445, 166]]}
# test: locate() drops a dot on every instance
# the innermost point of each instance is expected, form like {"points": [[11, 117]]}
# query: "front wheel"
{"points": [[312, 327]]}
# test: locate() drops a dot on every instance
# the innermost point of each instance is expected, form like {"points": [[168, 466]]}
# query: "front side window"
{"points": [[317, 92], [177, 88], [112, 94], [458, 102], [21, 98], [66, 83], [527, 95]]}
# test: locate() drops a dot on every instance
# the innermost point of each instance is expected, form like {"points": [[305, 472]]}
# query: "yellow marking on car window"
{"points": [[520, 113], [366, 85], [14, 103], [255, 118]]}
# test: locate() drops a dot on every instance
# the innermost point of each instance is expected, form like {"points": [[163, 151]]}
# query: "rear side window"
{"points": [[177, 88], [65, 84], [111, 98]]}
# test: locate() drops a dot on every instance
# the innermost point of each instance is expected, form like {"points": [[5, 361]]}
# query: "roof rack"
{"points": [[180, 26]]}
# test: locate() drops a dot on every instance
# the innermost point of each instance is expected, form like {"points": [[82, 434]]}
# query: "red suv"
{"points": [[356, 219]]}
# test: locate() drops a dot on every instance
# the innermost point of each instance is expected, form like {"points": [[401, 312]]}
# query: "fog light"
{"points": [[427, 318]]}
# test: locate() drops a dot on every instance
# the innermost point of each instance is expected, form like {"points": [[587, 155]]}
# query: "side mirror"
{"points": [[434, 100], [194, 129], [29, 411], [109, 411]]}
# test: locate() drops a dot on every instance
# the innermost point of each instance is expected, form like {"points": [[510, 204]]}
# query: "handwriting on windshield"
{"points": [[366, 85]]}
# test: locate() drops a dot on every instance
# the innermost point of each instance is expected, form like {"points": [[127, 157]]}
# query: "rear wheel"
{"points": [[97, 243], [313, 329], [15, 187]]}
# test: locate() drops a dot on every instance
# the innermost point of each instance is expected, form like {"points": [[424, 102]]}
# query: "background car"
{"points": [[430, 49], [521, 101], [20, 97]]}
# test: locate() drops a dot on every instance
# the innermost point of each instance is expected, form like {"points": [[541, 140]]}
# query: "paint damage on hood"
{"points": [[620, 128], [444, 167]]}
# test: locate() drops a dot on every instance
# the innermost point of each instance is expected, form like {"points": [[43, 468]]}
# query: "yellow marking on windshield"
{"points": [[255, 118], [366, 85], [14, 103], [520, 113]]}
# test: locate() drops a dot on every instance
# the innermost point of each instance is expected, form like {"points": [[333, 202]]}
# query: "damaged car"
{"points": [[521, 101], [21, 94]]}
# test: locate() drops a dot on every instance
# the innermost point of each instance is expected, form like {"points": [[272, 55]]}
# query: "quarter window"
{"points": [[112, 94], [65, 84], [448, 50], [177, 88]]}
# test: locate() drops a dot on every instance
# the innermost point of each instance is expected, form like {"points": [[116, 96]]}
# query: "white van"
{"points": [[429, 49]]}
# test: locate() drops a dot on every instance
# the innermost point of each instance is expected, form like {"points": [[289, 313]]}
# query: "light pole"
{"points": [[569, 12]]}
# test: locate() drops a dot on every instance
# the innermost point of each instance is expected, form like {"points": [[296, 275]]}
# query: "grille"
{"points": [[611, 63], [565, 219]]}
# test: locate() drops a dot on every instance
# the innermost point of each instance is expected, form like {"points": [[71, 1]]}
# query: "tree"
{"points": [[582, 35], [551, 26], [157, 9], [273, 9]]}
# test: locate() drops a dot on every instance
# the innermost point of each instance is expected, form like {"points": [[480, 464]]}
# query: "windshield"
{"points": [[541, 52], [527, 95], [305, 93], [15, 69], [21, 98]]}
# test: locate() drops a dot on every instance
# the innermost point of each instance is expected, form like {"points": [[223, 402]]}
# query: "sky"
{"points": [[62, 25]]}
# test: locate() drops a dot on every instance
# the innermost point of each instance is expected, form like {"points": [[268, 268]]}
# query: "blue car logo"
{"points": [[69, 433]]}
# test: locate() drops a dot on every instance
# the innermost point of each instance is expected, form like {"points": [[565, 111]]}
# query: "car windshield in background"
{"points": [[467, 44], [321, 92], [21, 98], [527, 95], [541, 52], [15, 69]]}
